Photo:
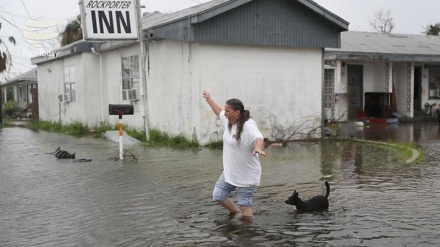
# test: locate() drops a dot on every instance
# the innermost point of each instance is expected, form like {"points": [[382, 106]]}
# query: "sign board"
{"points": [[120, 109], [109, 20]]}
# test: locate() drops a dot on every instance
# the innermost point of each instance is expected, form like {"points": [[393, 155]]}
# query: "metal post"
{"points": [[121, 139], [120, 110], [143, 71]]}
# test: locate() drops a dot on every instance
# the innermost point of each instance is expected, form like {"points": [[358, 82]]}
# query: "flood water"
{"points": [[164, 199]]}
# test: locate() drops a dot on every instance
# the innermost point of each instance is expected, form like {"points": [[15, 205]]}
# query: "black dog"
{"points": [[315, 204]]}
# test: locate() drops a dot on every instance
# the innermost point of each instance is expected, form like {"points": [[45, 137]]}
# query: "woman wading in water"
{"points": [[242, 145]]}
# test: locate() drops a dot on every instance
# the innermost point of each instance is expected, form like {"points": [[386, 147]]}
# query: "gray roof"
{"points": [[210, 9], [388, 46], [30, 76]]}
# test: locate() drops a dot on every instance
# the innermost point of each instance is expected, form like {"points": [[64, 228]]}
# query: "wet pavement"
{"points": [[164, 199]]}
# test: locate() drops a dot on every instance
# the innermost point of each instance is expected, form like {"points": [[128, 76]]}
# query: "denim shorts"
{"points": [[222, 190]]}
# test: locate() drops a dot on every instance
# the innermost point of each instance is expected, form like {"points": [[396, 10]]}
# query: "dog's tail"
{"points": [[327, 193]]}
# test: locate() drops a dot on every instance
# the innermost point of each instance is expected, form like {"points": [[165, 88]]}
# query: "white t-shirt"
{"points": [[241, 169]]}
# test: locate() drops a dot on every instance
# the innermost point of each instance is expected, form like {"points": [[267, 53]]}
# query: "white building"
{"points": [[377, 74], [268, 53], [21, 90]]}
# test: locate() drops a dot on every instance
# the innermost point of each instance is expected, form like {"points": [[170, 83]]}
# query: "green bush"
{"points": [[10, 108]]}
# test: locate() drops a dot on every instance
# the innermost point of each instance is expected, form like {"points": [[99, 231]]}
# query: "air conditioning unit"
{"points": [[129, 94], [66, 98]]}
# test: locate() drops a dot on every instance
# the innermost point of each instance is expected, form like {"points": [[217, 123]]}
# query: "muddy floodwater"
{"points": [[164, 199]]}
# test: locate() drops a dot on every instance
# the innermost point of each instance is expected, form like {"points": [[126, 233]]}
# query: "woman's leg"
{"points": [[245, 196], [229, 205], [221, 193], [246, 211]]}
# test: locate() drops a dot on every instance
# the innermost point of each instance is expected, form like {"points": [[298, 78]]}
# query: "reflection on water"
{"points": [[164, 199]]}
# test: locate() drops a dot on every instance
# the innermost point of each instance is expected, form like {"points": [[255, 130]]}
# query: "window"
{"points": [[130, 77], [70, 84], [434, 82]]}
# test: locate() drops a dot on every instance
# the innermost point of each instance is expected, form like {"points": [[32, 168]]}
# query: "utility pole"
{"points": [[143, 71]]}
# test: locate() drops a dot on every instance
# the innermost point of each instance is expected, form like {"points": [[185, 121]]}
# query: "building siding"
{"points": [[280, 86], [263, 22]]}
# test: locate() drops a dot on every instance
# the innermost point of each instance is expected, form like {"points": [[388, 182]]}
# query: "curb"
{"points": [[415, 153]]}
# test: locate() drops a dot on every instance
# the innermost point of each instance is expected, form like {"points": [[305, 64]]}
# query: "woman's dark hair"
{"points": [[236, 104]]}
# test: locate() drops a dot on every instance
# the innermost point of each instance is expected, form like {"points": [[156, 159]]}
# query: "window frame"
{"points": [[130, 71], [69, 79]]}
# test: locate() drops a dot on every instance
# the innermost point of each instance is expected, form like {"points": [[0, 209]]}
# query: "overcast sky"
{"points": [[409, 16]]}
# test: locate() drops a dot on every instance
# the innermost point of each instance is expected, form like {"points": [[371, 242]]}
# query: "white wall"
{"points": [[112, 87], [50, 85], [280, 86], [402, 90], [93, 94]]}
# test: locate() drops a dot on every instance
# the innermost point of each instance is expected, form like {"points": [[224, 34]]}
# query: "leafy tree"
{"points": [[72, 32], [382, 22], [432, 29], [5, 55]]}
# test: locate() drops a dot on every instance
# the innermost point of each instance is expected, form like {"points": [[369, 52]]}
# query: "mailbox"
{"points": [[120, 110]]}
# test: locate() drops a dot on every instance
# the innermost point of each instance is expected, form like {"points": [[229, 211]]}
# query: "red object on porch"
{"points": [[377, 121], [360, 114]]}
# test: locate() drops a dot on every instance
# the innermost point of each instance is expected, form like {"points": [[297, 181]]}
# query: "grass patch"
{"points": [[73, 129], [160, 139], [215, 145], [405, 149], [104, 127], [157, 138], [135, 133], [6, 122]]}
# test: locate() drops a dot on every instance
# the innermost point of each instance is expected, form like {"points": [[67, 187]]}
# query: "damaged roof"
{"points": [[30, 76]]}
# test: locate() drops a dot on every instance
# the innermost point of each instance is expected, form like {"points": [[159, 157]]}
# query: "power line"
{"points": [[7, 12], [10, 23], [26, 65], [19, 29], [26, 9], [17, 57]]}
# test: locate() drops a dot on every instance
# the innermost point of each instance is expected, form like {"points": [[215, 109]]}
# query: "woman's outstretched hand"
{"points": [[258, 151], [206, 95]]}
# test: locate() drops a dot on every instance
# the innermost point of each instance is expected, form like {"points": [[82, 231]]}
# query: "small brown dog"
{"points": [[315, 204]]}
